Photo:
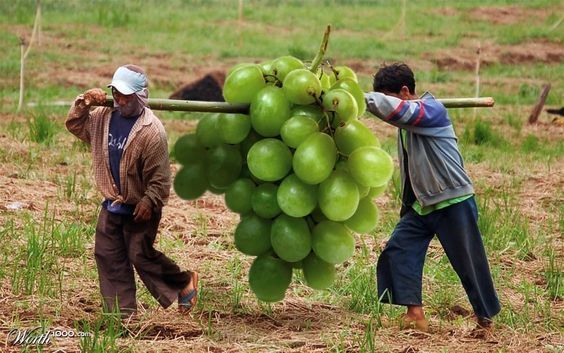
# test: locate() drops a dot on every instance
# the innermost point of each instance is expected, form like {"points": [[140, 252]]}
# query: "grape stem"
{"points": [[329, 122], [322, 48], [274, 79], [332, 68]]}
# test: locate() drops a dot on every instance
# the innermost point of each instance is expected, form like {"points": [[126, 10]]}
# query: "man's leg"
{"points": [[400, 266], [457, 230], [117, 281], [161, 275]]}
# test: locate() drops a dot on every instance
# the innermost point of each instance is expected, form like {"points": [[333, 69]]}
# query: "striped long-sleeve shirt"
{"points": [[430, 161]]}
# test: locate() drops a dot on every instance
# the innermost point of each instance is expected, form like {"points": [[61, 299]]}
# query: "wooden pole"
{"points": [[223, 107], [25, 52], [22, 64], [537, 109], [240, 23], [477, 73]]}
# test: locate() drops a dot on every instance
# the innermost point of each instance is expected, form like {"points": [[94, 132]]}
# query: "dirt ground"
{"points": [[297, 324]]}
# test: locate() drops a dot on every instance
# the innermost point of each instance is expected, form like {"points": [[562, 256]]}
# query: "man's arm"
{"points": [[78, 117], [405, 114], [156, 170]]}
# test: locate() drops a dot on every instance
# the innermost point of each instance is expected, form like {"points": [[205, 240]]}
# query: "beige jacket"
{"points": [[144, 168]]}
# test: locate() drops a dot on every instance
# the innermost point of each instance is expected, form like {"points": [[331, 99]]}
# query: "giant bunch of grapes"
{"points": [[301, 170]]}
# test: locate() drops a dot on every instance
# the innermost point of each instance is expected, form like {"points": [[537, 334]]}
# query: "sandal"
{"points": [[187, 302]]}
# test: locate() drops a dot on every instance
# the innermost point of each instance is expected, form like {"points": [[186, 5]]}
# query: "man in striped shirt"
{"points": [[437, 199]]}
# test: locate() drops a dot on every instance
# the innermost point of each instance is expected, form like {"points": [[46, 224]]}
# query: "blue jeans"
{"points": [[400, 266]]}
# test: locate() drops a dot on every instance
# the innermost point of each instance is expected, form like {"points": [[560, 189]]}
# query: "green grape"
{"points": [[248, 142], [301, 86], [342, 103], [190, 181], [290, 238], [217, 190], [377, 191], [252, 235], [234, 128], [208, 132], [263, 201], [269, 277], [243, 84], [370, 166], [269, 110], [188, 150], [238, 196], [315, 158], [283, 65], [237, 67], [223, 166], [318, 215], [296, 198], [362, 190], [342, 166], [341, 73], [324, 80], [353, 135], [312, 111], [332, 242], [269, 159], [351, 86], [338, 196], [296, 129], [266, 67], [365, 219], [318, 273]]}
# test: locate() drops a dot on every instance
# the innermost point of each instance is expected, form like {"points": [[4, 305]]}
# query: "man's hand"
{"points": [[142, 212], [94, 96]]}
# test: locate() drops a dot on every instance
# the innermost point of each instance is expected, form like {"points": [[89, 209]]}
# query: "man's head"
{"points": [[129, 89], [396, 80], [129, 79]]}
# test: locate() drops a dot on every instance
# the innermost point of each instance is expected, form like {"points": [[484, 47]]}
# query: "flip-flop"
{"points": [[187, 302]]}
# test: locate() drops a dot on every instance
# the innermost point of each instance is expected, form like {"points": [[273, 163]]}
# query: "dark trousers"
{"points": [[400, 266], [121, 245]]}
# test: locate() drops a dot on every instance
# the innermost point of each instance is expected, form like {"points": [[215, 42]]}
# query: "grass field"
{"points": [[49, 204]]}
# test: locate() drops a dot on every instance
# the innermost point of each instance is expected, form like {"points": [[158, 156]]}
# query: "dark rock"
{"points": [[208, 88]]}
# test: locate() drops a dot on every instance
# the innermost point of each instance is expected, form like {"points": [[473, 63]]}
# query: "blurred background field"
{"points": [[48, 203]]}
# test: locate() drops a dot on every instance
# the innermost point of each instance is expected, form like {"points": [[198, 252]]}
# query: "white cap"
{"points": [[127, 81]]}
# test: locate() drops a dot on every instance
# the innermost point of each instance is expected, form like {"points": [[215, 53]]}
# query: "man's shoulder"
{"points": [[150, 118], [153, 125]]}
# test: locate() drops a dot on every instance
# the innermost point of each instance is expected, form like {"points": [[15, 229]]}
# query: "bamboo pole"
{"points": [[223, 107], [190, 106]]}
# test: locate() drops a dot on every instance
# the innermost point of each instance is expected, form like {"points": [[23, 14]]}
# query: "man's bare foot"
{"points": [[414, 318], [408, 322]]}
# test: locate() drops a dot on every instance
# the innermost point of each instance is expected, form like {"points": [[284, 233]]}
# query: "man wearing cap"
{"points": [[132, 171]]}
